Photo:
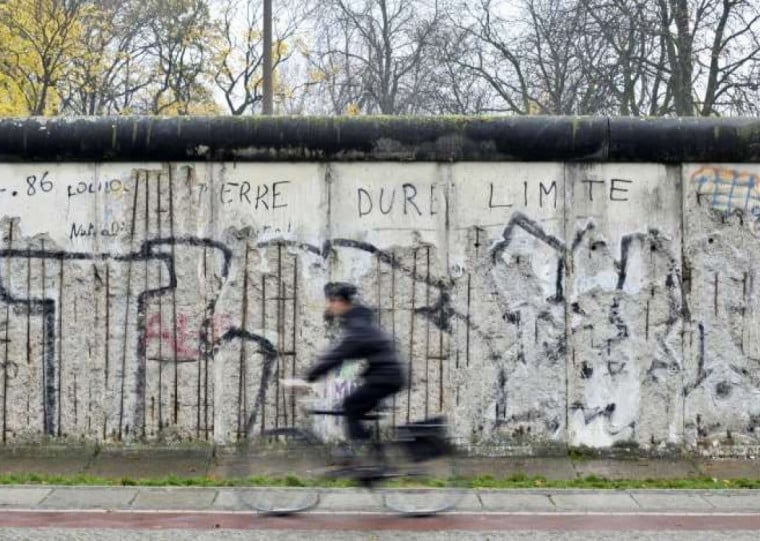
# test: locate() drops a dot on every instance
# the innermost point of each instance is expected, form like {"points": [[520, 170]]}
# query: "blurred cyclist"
{"points": [[361, 338]]}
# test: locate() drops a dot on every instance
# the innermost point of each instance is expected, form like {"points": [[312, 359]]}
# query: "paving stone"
{"points": [[20, 496], [470, 502], [236, 498], [733, 501], [89, 498], [511, 501], [671, 501], [258, 499], [599, 501], [350, 500], [174, 498], [426, 500]]}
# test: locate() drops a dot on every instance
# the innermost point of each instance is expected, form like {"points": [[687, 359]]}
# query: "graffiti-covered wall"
{"points": [[559, 302]]}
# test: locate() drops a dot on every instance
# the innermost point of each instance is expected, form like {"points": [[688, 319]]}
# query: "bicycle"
{"points": [[412, 469]]}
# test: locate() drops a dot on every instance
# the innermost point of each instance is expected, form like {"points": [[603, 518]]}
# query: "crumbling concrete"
{"points": [[540, 304]]}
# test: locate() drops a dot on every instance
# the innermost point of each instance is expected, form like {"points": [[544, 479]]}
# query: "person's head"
{"points": [[340, 298]]}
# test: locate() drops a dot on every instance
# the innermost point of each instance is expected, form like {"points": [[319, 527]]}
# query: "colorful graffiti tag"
{"points": [[730, 190]]}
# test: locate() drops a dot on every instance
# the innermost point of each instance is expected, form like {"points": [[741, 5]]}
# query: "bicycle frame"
{"points": [[421, 444]]}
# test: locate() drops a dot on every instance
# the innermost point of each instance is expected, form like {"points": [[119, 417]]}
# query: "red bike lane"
{"points": [[382, 522]]}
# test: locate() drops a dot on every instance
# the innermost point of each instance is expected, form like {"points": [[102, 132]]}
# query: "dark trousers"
{"points": [[361, 402]]}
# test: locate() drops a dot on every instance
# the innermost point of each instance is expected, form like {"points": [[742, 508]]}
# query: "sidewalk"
{"points": [[54, 509], [200, 500], [136, 463]]}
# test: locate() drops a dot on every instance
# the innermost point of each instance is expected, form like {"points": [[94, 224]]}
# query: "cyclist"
{"points": [[361, 338]]}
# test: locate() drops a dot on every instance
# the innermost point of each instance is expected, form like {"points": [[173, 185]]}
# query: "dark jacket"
{"points": [[363, 339]]}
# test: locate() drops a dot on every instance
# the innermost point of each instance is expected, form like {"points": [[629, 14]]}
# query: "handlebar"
{"points": [[366, 417], [296, 384]]}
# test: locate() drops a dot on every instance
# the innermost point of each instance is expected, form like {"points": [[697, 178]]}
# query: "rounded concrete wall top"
{"points": [[668, 140]]}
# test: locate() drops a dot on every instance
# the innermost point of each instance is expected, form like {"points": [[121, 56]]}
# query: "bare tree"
{"points": [[375, 55], [537, 57], [630, 62], [498, 48], [633, 57], [455, 90], [175, 43], [99, 82], [628, 57], [238, 50], [558, 59], [680, 57], [728, 58]]}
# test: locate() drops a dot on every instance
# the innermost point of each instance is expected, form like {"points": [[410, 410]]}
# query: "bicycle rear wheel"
{"points": [[422, 476], [422, 490]]}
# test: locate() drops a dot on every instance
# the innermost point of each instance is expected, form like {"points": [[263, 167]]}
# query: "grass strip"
{"points": [[478, 482]]}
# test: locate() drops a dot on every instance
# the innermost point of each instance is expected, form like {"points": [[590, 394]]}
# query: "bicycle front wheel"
{"points": [[290, 458]]}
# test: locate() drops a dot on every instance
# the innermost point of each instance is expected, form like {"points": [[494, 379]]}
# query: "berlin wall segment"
{"points": [[538, 303]]}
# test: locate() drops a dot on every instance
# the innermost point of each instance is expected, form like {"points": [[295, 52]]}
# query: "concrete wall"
{"points": [[540, 303]]}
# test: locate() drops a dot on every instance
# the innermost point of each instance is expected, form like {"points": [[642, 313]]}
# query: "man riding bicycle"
{"points": [[361, 339], [407, 452]]}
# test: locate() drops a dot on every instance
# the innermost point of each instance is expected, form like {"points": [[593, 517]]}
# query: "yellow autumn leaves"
{"points": [[38, 39], [93, 57]]}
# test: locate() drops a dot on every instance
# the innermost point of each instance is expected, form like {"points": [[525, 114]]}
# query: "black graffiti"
{"points": [[41, 185], [702, 372], [590, 187], [35, 184], [439, 312], [615, 192], [586, 371], [114, 229], [614, 189], [592, 414], [242, 192], [47, 307], [616, 320], [385, 201], [269, 352], [387, 258], [114, 186], [533, 228], [677, 308], [491, 204], [543, 190]]}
